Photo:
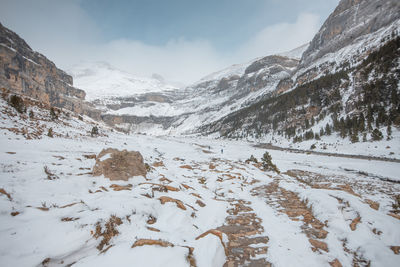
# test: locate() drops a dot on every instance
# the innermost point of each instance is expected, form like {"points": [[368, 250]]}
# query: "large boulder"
{"points": [[119, 165]]}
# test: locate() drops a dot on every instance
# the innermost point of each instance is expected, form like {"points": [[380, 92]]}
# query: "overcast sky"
{"points": [[183, 40]]}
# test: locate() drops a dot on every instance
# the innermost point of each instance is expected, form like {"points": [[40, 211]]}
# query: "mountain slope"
{"points": [[350, 89]]}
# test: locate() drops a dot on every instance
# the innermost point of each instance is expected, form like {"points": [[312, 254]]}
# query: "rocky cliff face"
{"points": [[25, 71], [350, 20]]}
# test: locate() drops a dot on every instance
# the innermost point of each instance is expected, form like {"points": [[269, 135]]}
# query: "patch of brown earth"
{"points": [[158, 164], [4, 192], [90, 156], [353, 225], [200, 203], [335, 263], [179, 204], [374, 205], [162, 188], [70, 205], [187, 186], [318, 245], [397, 216], [108, 233], [395, 249], [151, 242], [117, 187], [151, 220], [68, 219], [152, 229], [186, 167]]}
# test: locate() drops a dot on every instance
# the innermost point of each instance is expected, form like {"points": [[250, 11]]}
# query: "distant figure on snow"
{"points": [[222, 151]]}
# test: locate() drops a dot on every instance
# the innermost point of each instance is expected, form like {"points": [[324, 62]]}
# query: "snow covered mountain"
{"points": [[347, 82], [148, 105], [101, 81]]}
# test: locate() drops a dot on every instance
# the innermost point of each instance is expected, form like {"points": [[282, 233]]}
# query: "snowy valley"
{"points": [[290, 159], [316, 211]]}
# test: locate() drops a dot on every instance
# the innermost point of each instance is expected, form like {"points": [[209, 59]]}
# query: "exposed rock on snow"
{"points": [[119, 165]]}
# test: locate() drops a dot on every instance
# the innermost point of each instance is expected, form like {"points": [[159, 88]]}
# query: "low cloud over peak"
{"points": [[66, 34]]}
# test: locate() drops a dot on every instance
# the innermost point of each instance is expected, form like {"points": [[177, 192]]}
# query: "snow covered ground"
{"points": [[318, 211]]}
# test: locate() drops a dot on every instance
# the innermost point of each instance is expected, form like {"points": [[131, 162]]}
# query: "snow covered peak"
{"points": [[239, 69], [100, 80], [236, 69]]}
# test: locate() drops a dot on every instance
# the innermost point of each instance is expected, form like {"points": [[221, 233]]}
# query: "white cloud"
{"points": [[177, 60], [281, 37], [63, 32]]}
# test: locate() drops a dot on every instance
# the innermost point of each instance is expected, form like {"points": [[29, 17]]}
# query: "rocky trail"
{"points": [[247, 240]]}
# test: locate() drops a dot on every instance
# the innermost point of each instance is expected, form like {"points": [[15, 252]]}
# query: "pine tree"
{"points": [[370, 118], [343, 130], [354, 137], [394, 98], [267, 163], [361, 123], [95, 131], [389, 130], [17, 103], [328, 129], [50, 133], [364, 137], [307, 123], [376, 135]]}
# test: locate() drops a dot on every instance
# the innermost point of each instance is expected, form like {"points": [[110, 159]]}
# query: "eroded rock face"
{"points": [[27, 72], [119, 165]]}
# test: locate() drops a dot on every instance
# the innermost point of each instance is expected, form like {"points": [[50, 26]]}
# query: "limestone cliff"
{"points": [[27, 72], [350, 20]]}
